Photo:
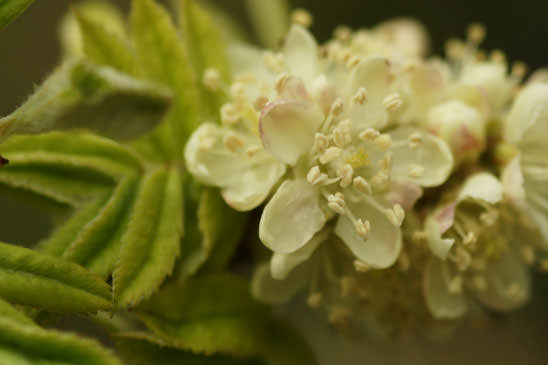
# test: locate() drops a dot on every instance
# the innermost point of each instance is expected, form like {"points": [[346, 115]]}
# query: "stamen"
{"points": [[252, 151], [260, 102], [386, 162], [314, 300], [363, 228], [320, 142], [275, 62], [211, 79], [359, 184], [392, 102], [229, 114], [383, 142], [280, 82], [455, 285], [415, 171], [336, 203], [315, 176], [302, 17], [206, 139], [233, 142], [369, 134], [330, 154], [396, 215], [343, 33], [415, 139], [345, 173], [337, 106], [361, 266], [360, 97], [476, 33], [352, 62], [342, 133], [237, 91], [469, 239]]}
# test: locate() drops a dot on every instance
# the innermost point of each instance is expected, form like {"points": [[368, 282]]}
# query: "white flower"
{"points": [[322, 121], [474, 253], [526, 176]]}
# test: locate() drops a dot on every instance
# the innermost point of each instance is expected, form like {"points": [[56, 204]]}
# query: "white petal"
{"points": [[508, 283], [254, 186], [372, 73], [490, 77], [287, 128], [291, 217], [512, 180], [281, 264], [432, 154], [383, 245], [435, 226], [482, 186], [403, 192], [530, 110], [442, 303], [301, 54], [272, 291], [210, 161], [409, 37]]}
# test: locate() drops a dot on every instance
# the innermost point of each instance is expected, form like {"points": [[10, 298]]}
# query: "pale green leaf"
{"points": [[40, 280], [270, 20], [150, 245], [10, 9], [163, 59], [97, 246], [104, 46], [28, 344], [144, 349], [80, 94]]}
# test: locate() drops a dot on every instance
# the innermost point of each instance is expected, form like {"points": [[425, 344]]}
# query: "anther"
{"points": [[314, 300], [415, 139], [229, 114], [363, 228], [369, 134], [330, 154], [392, 102], [232, 142], [359, 184], [320, 142], [343, 33], [360, 97], [252, 151], [315, 176], [476, 33], [211, 79], [396, 215], [280, 82], [415, 171], [345, 173], [337, 107], [383, 141], [361, 266], [342, 133], [336, 203], [260, 102], [302, 17]]}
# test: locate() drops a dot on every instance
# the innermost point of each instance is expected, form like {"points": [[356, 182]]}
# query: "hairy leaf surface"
{"points": [[40, 280], [150, 245], [10, 9], [80, 94]]}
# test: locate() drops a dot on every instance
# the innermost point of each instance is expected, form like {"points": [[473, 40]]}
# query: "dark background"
{"points": [[29, 50]]}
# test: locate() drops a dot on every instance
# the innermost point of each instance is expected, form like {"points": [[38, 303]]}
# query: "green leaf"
{"points": [[144, 349], [10, 9], [212, 233], [61, 239], [80, 94], [104, 46], [208, 315], [28, 344], [7, 311], [163, 59], [270, 20], [215, 314], [222, 229], [66, 167], [40, 280], [150, 244], [205, 48], [97, 246]]}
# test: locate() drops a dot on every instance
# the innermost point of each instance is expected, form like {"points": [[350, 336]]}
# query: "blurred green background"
{"points": [[29, 50]]}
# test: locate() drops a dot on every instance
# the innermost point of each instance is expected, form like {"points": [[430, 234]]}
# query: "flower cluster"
{"points": [[397, 189]]}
